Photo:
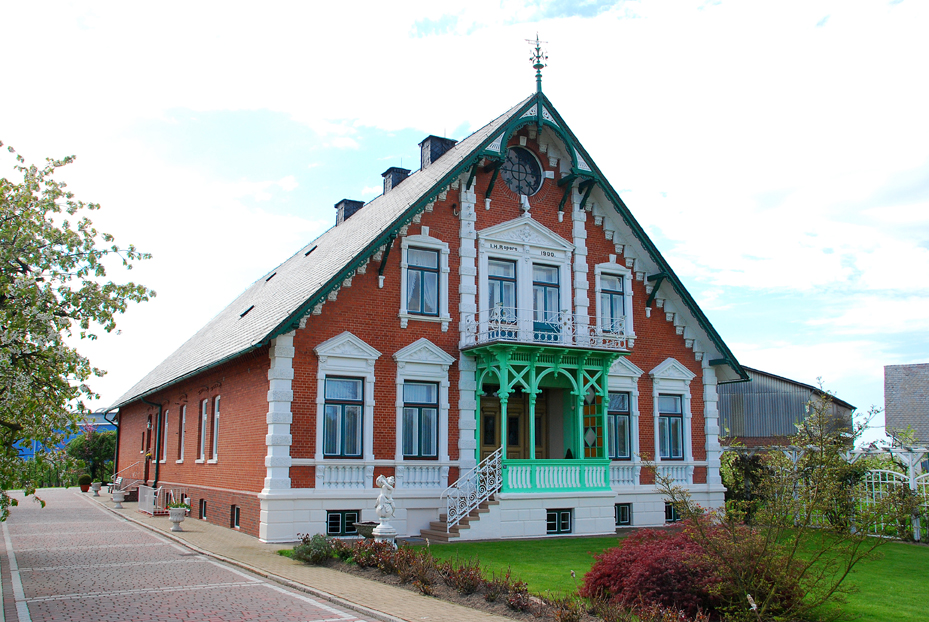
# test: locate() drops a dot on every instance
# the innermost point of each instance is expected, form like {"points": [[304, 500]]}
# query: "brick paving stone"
{"points": [[75, 562]]}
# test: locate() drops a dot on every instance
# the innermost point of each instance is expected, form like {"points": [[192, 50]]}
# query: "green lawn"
{"points": [[545, 564], [891, 589]]}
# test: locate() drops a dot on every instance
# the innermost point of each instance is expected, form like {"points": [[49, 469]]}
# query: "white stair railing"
{"points": [[473, 488]]}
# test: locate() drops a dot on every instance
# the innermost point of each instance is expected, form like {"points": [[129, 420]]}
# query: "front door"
{"points": [[517, 427]]}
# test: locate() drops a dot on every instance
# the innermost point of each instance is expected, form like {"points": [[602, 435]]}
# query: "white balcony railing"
{"points": [[679, 474], [624, 474], [543, 328]]}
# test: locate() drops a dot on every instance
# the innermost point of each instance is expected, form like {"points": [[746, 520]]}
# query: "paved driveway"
{"points": [[75, 561]]}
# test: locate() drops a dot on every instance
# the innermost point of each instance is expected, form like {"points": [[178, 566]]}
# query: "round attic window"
{"points": [[521, 171]]}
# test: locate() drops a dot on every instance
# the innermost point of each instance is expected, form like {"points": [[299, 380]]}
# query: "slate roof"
{"points": [[274, 303], [295, 281]]}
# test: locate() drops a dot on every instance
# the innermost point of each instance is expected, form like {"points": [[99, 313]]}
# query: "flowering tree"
{"points": [[53, 287]]}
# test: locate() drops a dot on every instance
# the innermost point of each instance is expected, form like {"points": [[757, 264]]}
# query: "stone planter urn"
{"points": [[118, 497], [95, 486], [176, 516], [366, 528]]}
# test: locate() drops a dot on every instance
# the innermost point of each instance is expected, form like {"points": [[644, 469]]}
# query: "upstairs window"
{"points": [[201, 431], [612, 303], [618, 427], [420, 419], [670, 427], [422, 282], [501, 282], [342, 418], [215, 428], [181, 430], [545, 298]]}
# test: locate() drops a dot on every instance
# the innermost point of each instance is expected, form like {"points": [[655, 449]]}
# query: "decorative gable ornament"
{"points": [[346, 346], [672, 369], [624, 367], [524, 231], [424, 352]]}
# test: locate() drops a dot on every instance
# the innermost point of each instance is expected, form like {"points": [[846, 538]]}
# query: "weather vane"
{"points": [[538, 59]]}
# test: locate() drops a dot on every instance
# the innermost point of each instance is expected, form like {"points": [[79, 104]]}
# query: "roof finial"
{"points": [[538, 59]]}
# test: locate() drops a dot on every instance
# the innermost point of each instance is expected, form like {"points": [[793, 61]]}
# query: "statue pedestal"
{"points": [[385, 533]]}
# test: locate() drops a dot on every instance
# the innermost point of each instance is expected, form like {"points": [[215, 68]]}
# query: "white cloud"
{"points": [[371, 190], [344, 142], [288, 183]]}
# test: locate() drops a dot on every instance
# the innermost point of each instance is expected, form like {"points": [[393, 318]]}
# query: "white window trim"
{"points": [[624, 378], [423, 361], [424, 240], [182, 430], [526, 248], [672, 378], [164, 437], [615, 269], [215, 434], [204, 415], [346, 356]]}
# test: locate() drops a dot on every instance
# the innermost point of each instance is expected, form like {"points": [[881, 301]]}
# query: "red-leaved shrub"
{"points": [[653, 567]]}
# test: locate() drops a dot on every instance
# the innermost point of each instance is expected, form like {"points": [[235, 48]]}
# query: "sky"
{"points": [[777, 153]]}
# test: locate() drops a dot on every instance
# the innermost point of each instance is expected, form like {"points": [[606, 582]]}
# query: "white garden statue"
{"points": [[385, 510]]}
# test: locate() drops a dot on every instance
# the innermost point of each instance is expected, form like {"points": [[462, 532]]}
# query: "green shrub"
{"points": [[316, 549], [84, 480]]}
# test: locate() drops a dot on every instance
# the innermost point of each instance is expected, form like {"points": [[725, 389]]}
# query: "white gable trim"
{"points": [[671, 369], [524, 231], [347, 345]]}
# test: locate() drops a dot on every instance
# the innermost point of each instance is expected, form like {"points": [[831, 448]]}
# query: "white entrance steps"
{"points": [[439, 531]]}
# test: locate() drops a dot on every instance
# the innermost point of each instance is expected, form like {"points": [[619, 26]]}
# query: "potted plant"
{"points": [[177, 511], [84, 482]]}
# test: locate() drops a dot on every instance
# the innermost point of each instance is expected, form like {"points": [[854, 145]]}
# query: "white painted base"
{"points": [[288, 513]]}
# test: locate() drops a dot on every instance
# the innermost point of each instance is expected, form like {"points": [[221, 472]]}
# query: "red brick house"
{"points": [[494, 324]]}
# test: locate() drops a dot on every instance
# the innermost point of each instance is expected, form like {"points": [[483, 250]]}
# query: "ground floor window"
{"points": [[342, 522], [670, 513], [235, 517], [559, 521], [670, 427], [623, 514]]}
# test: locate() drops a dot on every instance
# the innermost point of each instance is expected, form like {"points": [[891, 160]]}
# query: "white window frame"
{"points": [[672, 378], [423, 361], [204, 414], [346, 356], [525, 242], [215, 432], [163, 458], [426, 242], [624, 378], [182, 429], [614, 269]]}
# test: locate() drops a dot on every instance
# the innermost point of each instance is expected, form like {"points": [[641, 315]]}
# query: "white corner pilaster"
{"points": [[280, 397], [467, 307], [581, 283], [711, 423]]}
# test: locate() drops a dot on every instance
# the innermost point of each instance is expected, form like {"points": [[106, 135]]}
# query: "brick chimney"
{"points": [[346, 207], [432, 148], [393, 176]]}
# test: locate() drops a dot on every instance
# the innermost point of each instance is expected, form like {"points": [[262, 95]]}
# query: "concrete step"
{"points": [[436, 535]]}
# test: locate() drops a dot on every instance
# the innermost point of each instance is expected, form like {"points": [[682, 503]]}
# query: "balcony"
{"points": [[560, 329]]}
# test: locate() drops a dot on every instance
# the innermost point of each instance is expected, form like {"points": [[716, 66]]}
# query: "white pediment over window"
{"points": [[624, 367], [425, 352], [524, 230], [672, 369], [347, 345]]}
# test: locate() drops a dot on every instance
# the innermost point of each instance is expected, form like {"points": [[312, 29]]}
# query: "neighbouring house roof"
{"points": [[906, 400], [275, 303], [770, 406]]}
